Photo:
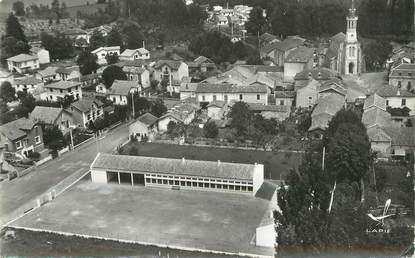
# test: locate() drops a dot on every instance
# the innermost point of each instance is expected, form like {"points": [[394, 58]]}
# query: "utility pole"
{"points": [[132, 103], [324, 154]]}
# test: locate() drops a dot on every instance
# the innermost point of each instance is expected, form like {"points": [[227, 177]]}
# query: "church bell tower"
{"points": [[352, 47]]}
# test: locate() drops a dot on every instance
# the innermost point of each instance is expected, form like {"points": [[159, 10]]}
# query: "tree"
{"points": [[18, 8], [241, 116], [27, 104], [53, 137], [7, 92], [14, 42], [171, 129], [254, 59], [112, 73], [58, 45], [257, 23], [376, 53], [114, 38], [87, 62], [112, 58], [97, 40], [14, 29], [210, 130], [158, 108]]}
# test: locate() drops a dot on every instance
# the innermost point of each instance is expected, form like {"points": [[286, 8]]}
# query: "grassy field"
{"points": [[276, 164]]}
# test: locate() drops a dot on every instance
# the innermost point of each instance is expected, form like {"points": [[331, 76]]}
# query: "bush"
{"points": [[210, 130], [133, 151], [34, 155]]}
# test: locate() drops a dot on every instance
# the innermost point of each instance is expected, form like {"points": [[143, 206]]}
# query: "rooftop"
{"points": [[300, 55], [284, 45], [22, 58], [375, 101], [62, 85], [111, 48], [174, 166], [170, 63], [376, 117], [228, 88], [147, 119], [123, 87], [17, 128], [271, 108], [316, 74], [45, 114], [392, 91], [28, 80], [85, 104]]}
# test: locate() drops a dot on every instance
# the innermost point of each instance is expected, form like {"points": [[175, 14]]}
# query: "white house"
{"points": [[254, 93], [60, 89], [120, 90], [48, 74], [28, 84], [398, 97], [297, 61], [42, 54], [188, 90], [182, 113], [217, 109], [144, 127], [139, 74], [307, 96], [68, 73], [85, 111], [102, 53], [23, 63], [133, 54], [53, 116], [170, 70]]}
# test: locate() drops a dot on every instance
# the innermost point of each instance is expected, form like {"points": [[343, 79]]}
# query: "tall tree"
{"points": [[58, 45], [257, 23], [114, 38], [18, 8], [241, 117], [7, 92], [87, 62], [97, 40], [112, 73]]}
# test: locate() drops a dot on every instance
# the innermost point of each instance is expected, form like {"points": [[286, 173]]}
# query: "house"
{"points": [[52, 116], [88, 80], [298, 60], [188, 90], [170, 70], [85, 111], [102, 53], [139, 74], [101, 88], [324, 111], [182, 113], [22, 63], [217, 110], [48, 74], [284, 98], [75, 34], [278, 51], [279, 113], [307, 96], [267, 39], [144, 128], [133, 54], [374, 112], [58, 90], [28, 84], [318, 73], [68, 73], [254, 93], [120, 90], [22, 137], [403, 76], [42, 54], [201, 64], [398, 97], [333, 86]]}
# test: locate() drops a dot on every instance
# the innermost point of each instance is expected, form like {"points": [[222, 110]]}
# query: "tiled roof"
{"points": [[403, 70], [17, 129], [67, 70], [85, 104], [133, 69], [300, 55], [339, 37], [174, 166], [376, 117], [316, 74], [201, 59], [377, 134], [320, 121], [111, 48], [48, 71], [180, 112], [45, 114], [128, 52], [266, 191], [392, 91], [402, 136], [170, 63], [188, 86], [333, 84], [375, 101], [271, 108], [27, 81], [228, 88], [217, 103], [22, 58], [325, 109], [123, 88], [268, 37], [284, 94], [147, 119], [62, 85], [284, 45]]}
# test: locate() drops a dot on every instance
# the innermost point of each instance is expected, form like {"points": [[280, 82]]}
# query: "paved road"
{"points": [[17, 192]]}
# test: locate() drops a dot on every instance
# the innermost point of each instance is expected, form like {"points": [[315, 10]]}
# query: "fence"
{"points": [[64, 150]]}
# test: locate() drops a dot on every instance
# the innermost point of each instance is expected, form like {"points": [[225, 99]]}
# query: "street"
{"points": [[19, 191]]}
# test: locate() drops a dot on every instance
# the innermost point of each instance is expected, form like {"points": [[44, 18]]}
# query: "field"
{"points": [[223, 222], [276, 164]]}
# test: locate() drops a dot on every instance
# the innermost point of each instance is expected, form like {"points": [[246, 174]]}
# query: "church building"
{"points": [[345, 54]]}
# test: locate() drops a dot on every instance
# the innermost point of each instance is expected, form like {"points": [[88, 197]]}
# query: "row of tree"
{"points": [[327, 17]]}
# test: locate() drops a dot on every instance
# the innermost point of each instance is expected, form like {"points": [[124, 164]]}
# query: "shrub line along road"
{"points": [[16, 193]]}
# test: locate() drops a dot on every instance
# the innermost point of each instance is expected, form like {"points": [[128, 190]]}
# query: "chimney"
{"points": [[218, 163]]}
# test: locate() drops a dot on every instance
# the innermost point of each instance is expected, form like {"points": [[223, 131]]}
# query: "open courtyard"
{"points": [[276, 164], [196, 220]]}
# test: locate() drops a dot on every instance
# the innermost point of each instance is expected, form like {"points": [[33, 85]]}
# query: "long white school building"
{"points": [[177, 173]]}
